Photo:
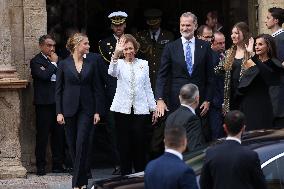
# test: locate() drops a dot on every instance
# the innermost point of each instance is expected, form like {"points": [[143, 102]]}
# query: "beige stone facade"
{"points": [[21, 24]]}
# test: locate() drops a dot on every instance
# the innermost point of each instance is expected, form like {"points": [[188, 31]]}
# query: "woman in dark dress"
{"points": [[233, 66], [261, 73]]}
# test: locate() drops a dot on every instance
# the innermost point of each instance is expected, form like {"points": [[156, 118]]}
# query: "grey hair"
{"points": [[188, 93], [190, 14]]}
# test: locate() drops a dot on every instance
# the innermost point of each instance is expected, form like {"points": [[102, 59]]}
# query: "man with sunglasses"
{"points": [[43, 69]]}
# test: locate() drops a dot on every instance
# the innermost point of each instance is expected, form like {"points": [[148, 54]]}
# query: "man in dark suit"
{"points": [[43, 68], [185, 116], [230, 165], [169, 171], [185, 60], [106, 48], [215, 115], [274, 21]]}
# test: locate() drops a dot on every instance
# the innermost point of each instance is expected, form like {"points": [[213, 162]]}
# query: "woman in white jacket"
{"points": [[132, 103]]}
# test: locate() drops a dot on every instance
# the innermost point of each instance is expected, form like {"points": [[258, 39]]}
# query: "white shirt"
{"points": [[277, 32], [192, 47], [190, 108], [133, 87], [178, 154], [53, 77], [233, 138]]}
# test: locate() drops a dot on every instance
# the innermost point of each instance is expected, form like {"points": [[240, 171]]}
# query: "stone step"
{"points": [[50, 180]]}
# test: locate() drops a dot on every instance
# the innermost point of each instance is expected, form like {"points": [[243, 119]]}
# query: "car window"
{"points": [[196, 163], [196, 159], [273, 171]]}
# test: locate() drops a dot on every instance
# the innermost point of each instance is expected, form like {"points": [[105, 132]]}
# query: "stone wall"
{"points": [[263, 6], [5, 34], [22, 22], [34, 25]]}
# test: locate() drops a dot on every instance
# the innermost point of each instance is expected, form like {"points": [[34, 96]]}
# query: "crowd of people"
{"points": [[154, 90]]}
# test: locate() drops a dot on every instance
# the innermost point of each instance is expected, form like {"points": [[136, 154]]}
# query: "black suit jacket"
{"points": [[44, 88], [169, 172], [173, 66], [277, 92], [74, 91], [218, 89], [231, 166], [105, 86], [184, 117], [279, 40]]}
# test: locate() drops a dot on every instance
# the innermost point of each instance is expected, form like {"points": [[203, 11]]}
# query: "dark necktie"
{"points": [[153, 36], [188, 58]]}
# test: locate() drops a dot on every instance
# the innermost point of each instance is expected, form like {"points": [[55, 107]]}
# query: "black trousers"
{"points": [[215, 119], [111, 138], [131, 137], [46, 125], [77, 130]]}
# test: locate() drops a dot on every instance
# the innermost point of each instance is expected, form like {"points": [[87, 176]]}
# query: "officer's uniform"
{"points": [[106, 49], [153, 43], [151, 48]]}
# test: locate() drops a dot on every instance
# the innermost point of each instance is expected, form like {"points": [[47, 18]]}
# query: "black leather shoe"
{"points": [[40, 171], [59, 169], [69, 170]]}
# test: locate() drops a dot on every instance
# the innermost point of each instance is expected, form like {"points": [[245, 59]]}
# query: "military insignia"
{"points": [[111, 47], [108, 43], [42, 68], [109, 52], [164, 41]]}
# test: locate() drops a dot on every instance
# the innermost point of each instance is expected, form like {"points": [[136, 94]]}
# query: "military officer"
{"points": [[106, 49], [152, 41]]}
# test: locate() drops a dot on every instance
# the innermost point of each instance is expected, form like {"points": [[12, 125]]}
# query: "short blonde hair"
{"points": [[74, 41], [130, 38]]}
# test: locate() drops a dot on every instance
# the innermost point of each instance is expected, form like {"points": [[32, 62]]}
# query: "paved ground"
{"points": [[50, 181]]}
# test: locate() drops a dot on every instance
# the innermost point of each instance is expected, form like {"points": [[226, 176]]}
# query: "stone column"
{"points": [[263, 6], [10, 148], [34, 25]]}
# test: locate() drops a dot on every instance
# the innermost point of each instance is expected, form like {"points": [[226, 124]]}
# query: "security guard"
{"points": [[153, 41], [106, 49]]}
